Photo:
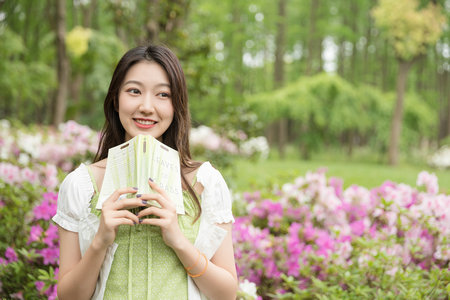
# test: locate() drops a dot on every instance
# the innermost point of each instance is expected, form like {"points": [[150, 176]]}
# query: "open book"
{"points": [[132, 163]]}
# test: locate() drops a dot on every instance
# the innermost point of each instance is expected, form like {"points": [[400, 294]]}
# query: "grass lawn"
{"points": [[248, 175]]}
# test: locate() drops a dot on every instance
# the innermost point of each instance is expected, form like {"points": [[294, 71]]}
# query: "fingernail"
{"points": [[134, 222], [150, 179], [144, 202], [138, 195], [135, 188], [140, 220]]}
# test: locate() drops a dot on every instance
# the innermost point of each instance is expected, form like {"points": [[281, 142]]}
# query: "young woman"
{"points": [[115, 254]]}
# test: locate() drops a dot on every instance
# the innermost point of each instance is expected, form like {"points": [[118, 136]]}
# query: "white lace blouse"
{"points": [[74, 214]]}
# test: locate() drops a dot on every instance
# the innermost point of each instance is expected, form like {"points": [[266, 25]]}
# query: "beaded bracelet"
{"points": [[196, 262], [202, 272]]}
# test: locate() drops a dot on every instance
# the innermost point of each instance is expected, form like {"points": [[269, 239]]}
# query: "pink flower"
{"points": [[51, 292], [39, 285], [358, 227], [429, 180], [337, 184], [45, 210], [18, 295], [10, 255], [51, 235], [50, 255], [35, 233]]}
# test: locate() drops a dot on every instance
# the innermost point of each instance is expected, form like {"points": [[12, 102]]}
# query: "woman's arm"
{"points": [[219, 281], [78, 274], [218, 278]]}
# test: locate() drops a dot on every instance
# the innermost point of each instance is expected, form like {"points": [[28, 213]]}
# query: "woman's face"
{"points": [[145, 103]]}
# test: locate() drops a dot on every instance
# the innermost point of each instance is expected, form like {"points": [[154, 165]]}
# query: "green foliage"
{"points": [[371, 282], [409, 29], [326, 108], [19, 201], [29, 84]]}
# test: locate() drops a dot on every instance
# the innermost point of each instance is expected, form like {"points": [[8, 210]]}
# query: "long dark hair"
{"points": [[177, 135]]}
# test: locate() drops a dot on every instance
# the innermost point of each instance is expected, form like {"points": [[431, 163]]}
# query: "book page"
{"points": [[120, 170], [134, 162]]}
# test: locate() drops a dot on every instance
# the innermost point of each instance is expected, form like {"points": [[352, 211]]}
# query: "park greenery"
{"points": [[320, 114]]}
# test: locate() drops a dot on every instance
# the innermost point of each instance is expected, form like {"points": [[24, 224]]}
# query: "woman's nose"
{"points": [[147, 104]]}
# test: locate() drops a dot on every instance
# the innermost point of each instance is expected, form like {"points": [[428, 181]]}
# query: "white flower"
{"points": [[249, 288], [256, 146], [441, 159]]}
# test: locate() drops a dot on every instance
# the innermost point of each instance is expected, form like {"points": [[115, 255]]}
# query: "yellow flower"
{"points": [[77, 41]]}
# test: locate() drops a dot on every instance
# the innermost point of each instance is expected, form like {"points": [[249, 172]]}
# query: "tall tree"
{"points": [[279, 71], [63, 64], [410, 30]]}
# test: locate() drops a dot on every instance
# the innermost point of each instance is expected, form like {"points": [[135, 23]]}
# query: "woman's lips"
{"points": [[144, 123]]}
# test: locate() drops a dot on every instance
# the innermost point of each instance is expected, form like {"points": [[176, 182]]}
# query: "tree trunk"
{"points": [[312, 37], [279, 71], [152, 25], [88, 13], [397, 117], [63, 63]]}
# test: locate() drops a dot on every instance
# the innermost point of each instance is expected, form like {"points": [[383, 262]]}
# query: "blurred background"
{"points": [[330, 121], [338, 83]]}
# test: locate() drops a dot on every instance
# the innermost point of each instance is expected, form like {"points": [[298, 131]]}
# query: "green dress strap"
{"points": [[94, 198]]}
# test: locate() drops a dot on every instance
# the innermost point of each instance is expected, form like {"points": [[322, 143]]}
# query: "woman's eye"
{"points": [[133, 91], [164, 95]]}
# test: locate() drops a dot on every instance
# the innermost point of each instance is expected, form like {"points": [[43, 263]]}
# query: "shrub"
{"points": [[312, 239]]}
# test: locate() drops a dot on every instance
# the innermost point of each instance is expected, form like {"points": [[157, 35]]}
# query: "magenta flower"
{"points": [[51, 235], [35, 233], [358, 227], [39, 285], [50, 255], [44, 211], [10, 255]]}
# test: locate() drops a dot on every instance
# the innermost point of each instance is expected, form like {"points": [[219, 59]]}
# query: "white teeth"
{"points": [[145, 122]]}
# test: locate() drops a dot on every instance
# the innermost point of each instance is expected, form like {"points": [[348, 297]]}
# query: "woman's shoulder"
{"points": [[74, 195], [207, 173], [216, 197], [78, 179]]}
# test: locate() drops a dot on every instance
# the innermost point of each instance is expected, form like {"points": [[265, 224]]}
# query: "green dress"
{"points": [[144, 267]]}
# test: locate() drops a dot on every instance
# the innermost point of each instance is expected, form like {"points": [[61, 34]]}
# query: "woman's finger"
{"points": [[153, 221], [154, 211], [117, 193], [120, 214], [161, 200], [157, 188], [123, 221], [128, 203]]}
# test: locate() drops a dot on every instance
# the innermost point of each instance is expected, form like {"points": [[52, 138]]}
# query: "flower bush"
{"points": [[313, 238], [32, 162], [221, 150], [308, 239]]}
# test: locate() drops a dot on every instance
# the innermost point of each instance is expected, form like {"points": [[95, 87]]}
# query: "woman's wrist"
{"points": [[97, 245], [180, 244]]}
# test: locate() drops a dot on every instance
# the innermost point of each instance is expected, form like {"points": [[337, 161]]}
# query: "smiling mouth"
{"points": [[143, 123]]}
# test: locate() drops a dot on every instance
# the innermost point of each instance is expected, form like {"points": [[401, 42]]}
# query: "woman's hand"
{"points": [[114, 213], [167, 218]]}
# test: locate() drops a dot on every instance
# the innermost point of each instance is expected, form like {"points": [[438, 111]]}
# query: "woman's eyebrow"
{"points": [[141, 84], [133, 81], [163, 85]]}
